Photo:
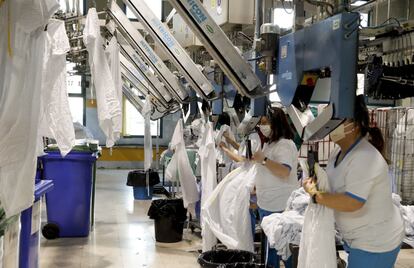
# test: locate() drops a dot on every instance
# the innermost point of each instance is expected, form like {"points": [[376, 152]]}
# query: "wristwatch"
{"points": [[264, 161]]}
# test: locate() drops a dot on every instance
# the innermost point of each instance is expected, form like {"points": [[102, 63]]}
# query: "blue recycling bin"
{"points": [[68, 206], [30, 227], [141, 192]]}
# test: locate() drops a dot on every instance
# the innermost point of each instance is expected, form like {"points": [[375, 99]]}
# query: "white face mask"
{"points": [[339, 133], [266, 130]]}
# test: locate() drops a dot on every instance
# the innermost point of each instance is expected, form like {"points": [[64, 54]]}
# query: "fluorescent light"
{"points": [[358, 3]]}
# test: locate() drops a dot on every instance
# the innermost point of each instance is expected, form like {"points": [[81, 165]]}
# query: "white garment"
{"points": [[226, 211], [377, 226], [207, 153], [255, 143], [317, 245], [285, 228], [180, 166], [407, 213], [222, 157], [146, 112], [112, 53], [273, 192], [282, 229], [20, 90], [109, 108], [56, 118]]}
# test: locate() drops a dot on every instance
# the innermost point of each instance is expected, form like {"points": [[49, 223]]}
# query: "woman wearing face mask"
{"points": [[277, 174], [370, 224]]}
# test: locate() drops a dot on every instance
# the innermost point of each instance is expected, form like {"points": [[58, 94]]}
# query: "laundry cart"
{"points": [[68, 206], [30, 221]]}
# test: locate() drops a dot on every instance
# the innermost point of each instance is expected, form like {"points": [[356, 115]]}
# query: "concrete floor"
{"points": [[123, 236]]}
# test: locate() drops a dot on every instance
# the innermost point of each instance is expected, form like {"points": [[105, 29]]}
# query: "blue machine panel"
{"points": [[332, 44]]}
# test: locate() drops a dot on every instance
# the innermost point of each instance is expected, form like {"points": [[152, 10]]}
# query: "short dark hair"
{"points": [[224, 119], [279, 124]]}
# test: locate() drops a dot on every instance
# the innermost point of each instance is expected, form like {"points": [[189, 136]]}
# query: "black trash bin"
{"points": [[138, 180], [169, 216], [228, 258]]}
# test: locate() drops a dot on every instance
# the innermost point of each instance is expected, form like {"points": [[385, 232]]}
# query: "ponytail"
{"points": [[361, 119], [376, 139]]}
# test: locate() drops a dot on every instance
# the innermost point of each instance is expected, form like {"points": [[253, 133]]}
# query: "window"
{"points": [[69, 6], [76, 94], [283, 17], [364, 19], [274, 96], [134, 122], [154, 5]]}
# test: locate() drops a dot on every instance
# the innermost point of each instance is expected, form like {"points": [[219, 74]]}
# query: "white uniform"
{"points": [[272, 191], [146, 112], [363, 175], [56, 118], [20, 89], [109, 108], [180, 166], [207, 154]]}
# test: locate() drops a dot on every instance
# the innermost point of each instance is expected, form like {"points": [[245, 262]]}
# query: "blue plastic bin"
{"points": [[141, 193], [29, 232], [69, 204]]}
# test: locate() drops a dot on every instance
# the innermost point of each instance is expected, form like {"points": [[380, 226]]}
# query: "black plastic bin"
{"points": [[228, 258], [138, 180], [169, 216]]}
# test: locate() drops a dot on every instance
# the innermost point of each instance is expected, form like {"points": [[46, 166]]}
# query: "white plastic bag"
{"points": [[317, 244], [226, 211]]}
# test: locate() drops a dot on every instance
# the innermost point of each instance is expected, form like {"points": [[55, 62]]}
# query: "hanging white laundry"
{"points": [[112, 53], [146, 112], [56, 119], [20, 90], [207, 153], [221, 156], [109, 108], [226, 211], [317, 244], [180, 165]]}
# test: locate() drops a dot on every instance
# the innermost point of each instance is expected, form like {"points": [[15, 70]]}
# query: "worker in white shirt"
{"points": [[370, 224]]}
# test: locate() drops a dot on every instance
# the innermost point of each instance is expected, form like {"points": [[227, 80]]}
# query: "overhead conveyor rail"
{"points": [[220, 47], [131, 74], [138, 103], [137, 41], [133, 82], [129, 53], [176, 53], [132, 98]]}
